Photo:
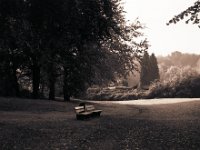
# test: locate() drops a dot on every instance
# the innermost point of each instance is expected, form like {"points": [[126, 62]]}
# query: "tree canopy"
{"points": [[81, 42]]}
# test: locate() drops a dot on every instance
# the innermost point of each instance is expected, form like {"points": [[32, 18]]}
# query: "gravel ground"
{"points": [[42, 124]]}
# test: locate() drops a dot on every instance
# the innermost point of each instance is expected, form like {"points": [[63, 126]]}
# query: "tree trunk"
{"points": [[66, 92], [66, 97], [52, 87], [12, 78], [51, 79], [52, 91], [36, 80], [15, 83], [65, 87]]}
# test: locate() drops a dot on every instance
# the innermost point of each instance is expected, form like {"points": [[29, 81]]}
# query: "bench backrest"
{"points": [[90, 107], [80, 109]]}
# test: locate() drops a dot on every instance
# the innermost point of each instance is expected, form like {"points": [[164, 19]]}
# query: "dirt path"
{"points": [[43, 124]]}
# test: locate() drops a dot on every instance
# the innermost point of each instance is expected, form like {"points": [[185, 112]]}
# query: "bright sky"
{"points": [[165, 39]]}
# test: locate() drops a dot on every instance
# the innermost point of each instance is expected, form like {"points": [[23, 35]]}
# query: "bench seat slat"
{"points": [[97, 111], [90, 109], [85, 113]]}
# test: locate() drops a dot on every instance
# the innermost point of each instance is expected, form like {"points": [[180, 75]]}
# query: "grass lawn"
{"points": [[43, 124]]}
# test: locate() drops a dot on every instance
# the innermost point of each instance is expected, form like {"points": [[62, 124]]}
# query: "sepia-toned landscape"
{"points": [[99, 75]]}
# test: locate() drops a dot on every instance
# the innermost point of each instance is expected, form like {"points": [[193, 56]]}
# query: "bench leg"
{"points": [[82, 117], [96, 114]]}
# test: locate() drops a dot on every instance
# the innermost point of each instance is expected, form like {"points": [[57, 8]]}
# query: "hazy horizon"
{"points": [[162, 38]]}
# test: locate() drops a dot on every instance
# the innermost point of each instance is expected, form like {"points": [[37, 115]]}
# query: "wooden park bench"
{"points": [[86, 111]]}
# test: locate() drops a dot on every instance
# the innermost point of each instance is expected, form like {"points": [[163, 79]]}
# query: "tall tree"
{"points": [[154, 68], [145, 77], [11, 56], [149, 70], [100, 33]]}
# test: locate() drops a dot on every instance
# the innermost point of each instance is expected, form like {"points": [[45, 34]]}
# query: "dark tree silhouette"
{"points": [[149, 70], [11, 56], [191, 15], [82, 42], [154, 70], [145, 77]]}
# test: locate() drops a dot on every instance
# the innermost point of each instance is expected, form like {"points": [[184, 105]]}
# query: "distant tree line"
{"points": [[177, 82], [179, 76], [179, 59], [77, 42]]}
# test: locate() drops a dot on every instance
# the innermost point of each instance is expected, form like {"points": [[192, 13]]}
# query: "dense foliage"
{"points": [[179, 82], [178, 60], [76, 42]]}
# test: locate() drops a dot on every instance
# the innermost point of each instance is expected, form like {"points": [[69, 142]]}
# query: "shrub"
{"points": [[185, 87]]}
